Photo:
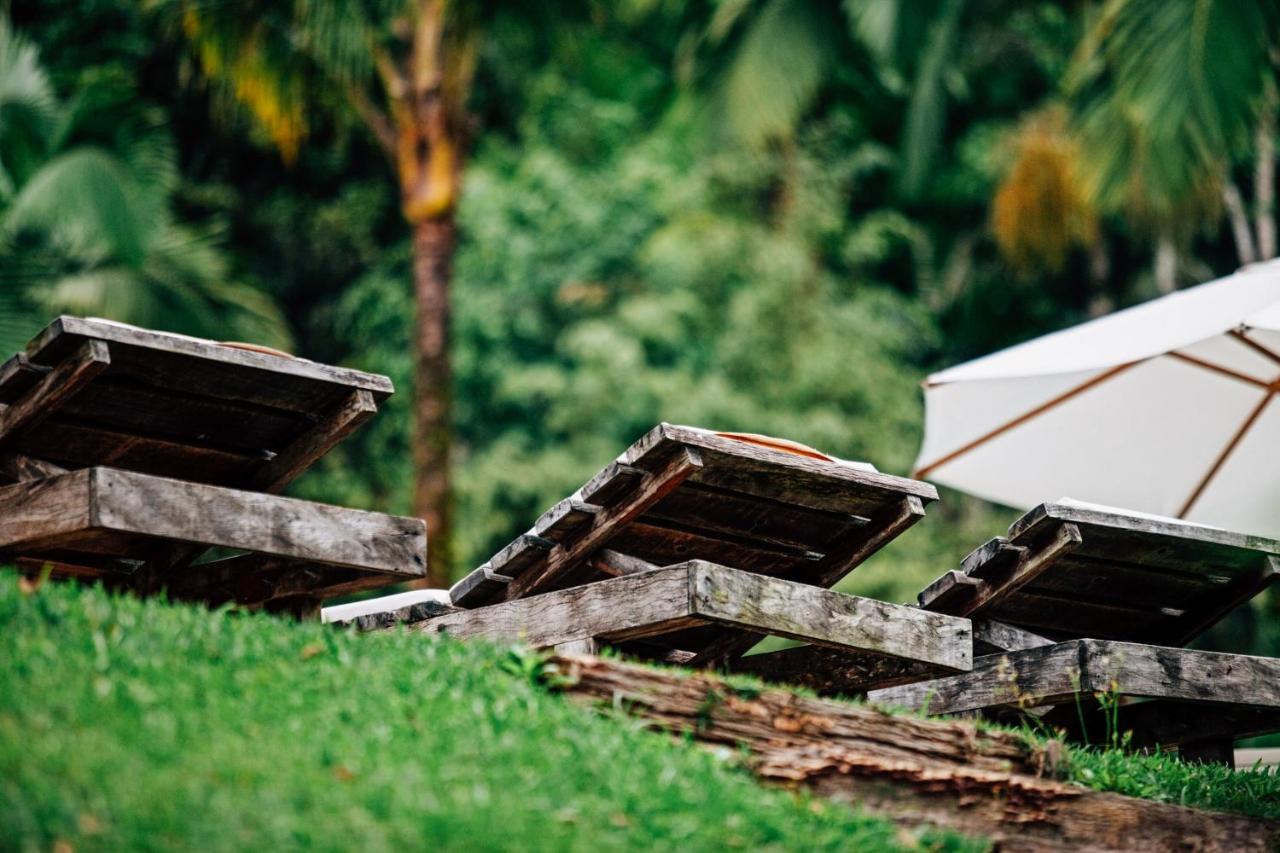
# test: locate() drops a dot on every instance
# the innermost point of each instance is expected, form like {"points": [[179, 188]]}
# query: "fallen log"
{"points": [[991, 784]]}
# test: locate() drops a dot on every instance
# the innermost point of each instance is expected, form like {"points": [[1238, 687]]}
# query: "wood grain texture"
{"points": [[1021, 571], [918, 772], [802, 612], [358, 407], [53, 390], [39, 514], [652, 603], [67, 332], [566, 558], [1055, 674]]}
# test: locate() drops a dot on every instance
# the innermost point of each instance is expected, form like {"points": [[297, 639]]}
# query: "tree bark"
{"points": [[989, 784], [434, 241], [1166, 264], [1246, 252], [1264, 191]]}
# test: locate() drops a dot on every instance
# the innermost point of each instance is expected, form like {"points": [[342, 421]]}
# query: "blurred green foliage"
{"points": [[623, 259]]}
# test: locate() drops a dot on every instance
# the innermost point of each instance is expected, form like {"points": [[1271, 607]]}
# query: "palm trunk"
{"points": [[1166, 264], [1264, 192], [1246, 252], [434, 241]]}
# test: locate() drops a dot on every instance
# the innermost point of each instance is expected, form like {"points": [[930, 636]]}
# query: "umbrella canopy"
{"points": [[1167, 408]]}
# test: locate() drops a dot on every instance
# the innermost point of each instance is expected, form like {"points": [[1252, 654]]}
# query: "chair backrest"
{"points": [[682, 493], [1069, 570], [94, 392]]}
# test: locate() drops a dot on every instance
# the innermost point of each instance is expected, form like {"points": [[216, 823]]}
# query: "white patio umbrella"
{"points": [[1166, 408]]}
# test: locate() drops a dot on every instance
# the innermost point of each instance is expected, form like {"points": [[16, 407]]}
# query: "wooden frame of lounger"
{"points": [[77, 399], [1191, 698], [657, 602], [681, 493]]}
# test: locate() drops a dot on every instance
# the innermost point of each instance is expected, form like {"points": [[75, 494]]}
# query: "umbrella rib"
{"points": [[1226, 452], [1265, 352], [1217, 368], [1026, 416]]}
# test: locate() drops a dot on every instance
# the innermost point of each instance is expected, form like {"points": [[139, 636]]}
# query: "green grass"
{"points": [[127, 724], [143, 725]]}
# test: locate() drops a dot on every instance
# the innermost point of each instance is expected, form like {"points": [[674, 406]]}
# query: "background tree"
{"points": [[404, 71], [85, 219]]}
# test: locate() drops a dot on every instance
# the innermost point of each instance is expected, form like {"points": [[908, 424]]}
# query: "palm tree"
{"points": [[770, 59], [85, 225], [403, 69], [1168, 95]]}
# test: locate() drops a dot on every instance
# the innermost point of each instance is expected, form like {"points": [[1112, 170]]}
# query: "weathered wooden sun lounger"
{"points": [[680, 600], [679, 493], [693, 545], [130, 453], [1079, 600]]}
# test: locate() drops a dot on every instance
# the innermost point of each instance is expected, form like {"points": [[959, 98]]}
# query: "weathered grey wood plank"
{"points": [[37, 514], [53, 389], [527, 551], [1064, 539], [660, 601], [567, 557], [1046, 515], [1046, 675], [854, 548], [622, 608], [332, 429], [479, 586], [991, 636], [69, 331], [565, 519], [820, 616], [613, 483], [1051, 675]]}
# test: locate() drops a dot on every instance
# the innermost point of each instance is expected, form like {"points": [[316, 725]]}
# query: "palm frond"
{"points": [[27, 108], [1166, 93], [776, 70], [84, 198]]}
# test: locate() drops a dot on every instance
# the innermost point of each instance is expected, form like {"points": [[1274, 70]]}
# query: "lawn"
{"points": [[129, 724], [139, 725]]}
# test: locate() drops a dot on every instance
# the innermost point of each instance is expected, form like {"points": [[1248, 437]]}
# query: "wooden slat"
{"points": [[254, 579], [1051, 675], [38, 513], [737, 515], [1045, 515], [757, 470], [76, 445], [565, 519], [992, 636], [53, 390], [606, 524], [67, 332], [661, 601], [664, 545], [820, 616], [525, 553], [1046, 675], [950, 592], [845, 555], [613, 483], [985, 598], [478, 587], [333, 428]]}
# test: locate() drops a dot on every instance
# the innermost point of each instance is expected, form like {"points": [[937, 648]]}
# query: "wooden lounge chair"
{"points": [[1079, 601], [130, 453], [765, 522]]}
